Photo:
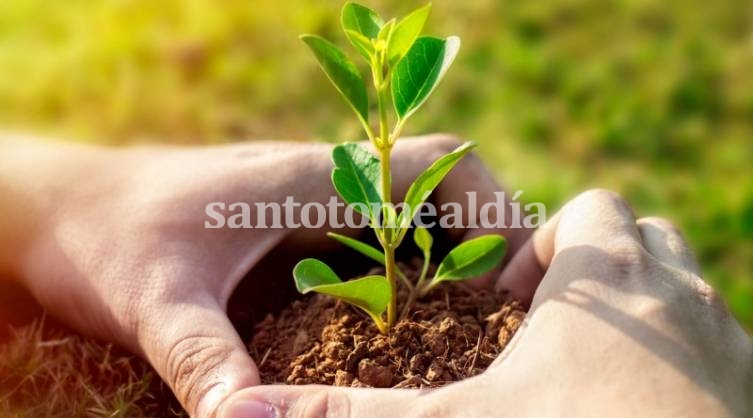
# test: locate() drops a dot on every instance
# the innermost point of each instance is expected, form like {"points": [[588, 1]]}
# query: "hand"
{"points": [[620, 325], [114, 241]]}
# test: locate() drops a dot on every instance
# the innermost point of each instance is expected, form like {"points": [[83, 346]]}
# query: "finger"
{"points": [[318, 401], [196, 350], [523, 273], [597, 218], [665, 242]]}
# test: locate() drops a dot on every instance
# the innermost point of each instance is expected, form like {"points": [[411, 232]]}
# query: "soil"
{"points": [[453, 333]]}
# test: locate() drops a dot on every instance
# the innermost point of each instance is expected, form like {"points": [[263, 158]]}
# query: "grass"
{"points": [[653, 99], [48, 372]]}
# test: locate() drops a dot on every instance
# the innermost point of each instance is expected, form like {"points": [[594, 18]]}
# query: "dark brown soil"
{"points": [[453, 333]]}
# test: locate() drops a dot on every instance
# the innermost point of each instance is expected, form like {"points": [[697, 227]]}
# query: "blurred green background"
{"points": [[653, 99]]}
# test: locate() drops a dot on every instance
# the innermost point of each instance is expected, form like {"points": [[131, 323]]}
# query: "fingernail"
{"points": [[250, 409]]}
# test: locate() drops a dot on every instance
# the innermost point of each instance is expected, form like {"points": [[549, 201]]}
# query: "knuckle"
{"points": [[444, 142], [441, 144], [685, 292], [619, 265], [708, 295], [659, 222], [631, 260], [604, 203], [637, 268], [602, 197], [671, 234], [190, 364]]}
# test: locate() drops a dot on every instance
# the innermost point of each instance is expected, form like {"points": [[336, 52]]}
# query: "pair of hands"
{"points": [[113, 242]]}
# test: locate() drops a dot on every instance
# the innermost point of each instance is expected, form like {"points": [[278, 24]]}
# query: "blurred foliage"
{"points": [[651, 98]]}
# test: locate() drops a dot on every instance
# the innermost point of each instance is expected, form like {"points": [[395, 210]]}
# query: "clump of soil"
{"points": [[452, 334]]}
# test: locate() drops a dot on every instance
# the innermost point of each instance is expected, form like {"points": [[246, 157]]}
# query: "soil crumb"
{"points": [[451, 334]]}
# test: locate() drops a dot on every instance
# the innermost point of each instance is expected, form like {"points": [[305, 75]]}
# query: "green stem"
{"points": [[384, 130], [381, 326], [424, 270], [413, 294], [389, 249], [390, 270], [385, 147], [426, 288]]}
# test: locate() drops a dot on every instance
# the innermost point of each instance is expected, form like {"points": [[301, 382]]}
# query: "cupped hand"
{"points": [[113, 241], [620, 325]]}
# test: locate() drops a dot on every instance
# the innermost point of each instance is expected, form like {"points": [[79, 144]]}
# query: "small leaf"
{"points": [[472, 258], [310, 272], [370, 293], [342, 72], [427, 181], [386, 32], [363, 248], [405, 34], [423, 239], [361, 19], [356, 176], [417, 75], [361, 43]]}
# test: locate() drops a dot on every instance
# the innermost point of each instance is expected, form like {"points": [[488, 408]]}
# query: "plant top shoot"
{"points": [[405, 70]]}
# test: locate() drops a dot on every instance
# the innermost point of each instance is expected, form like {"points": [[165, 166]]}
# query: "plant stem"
{"points": [[381, 326], [385, 147], [390, 273], [424, 270], [413, 291], [389, 249], [426, 288]]}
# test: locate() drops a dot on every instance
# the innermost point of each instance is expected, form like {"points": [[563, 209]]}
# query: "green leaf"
{"points": [[417, 75], [361, 19], [342, 72], [386, 32], [427, 181], [310, 272], [390, 223], [423, 239], [472, 258], [361, 43], [356, 176], [363, 248], [370, 293], [405, 34]]}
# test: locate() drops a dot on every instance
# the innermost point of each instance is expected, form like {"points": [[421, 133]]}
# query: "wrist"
{"points": [[38, 180]]}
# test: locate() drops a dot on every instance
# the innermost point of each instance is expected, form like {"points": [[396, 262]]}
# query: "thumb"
{"points": [[196, 350], [319, 401], [596, 218]]}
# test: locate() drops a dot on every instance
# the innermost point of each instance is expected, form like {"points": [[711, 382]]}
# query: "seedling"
{"points": [[405, 69]]}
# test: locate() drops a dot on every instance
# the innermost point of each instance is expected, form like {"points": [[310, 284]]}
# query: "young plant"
{"points": [[405, 69]]}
